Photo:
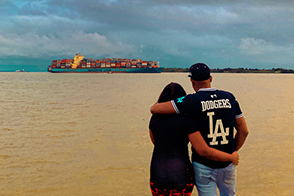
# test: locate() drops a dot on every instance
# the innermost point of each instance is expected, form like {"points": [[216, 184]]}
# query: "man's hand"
{"points": [[235, 158]]}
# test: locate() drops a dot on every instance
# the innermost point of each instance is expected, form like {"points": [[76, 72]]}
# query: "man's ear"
{"points": [[192, 81]]}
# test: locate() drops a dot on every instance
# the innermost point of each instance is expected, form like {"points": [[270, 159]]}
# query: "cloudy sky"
{"points": [[248, 34]]}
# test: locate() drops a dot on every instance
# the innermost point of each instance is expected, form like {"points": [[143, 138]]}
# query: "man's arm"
{"points": [[162, 108], [242, 132], [204, 150]]}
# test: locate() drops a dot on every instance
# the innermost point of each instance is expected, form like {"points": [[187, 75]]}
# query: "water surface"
{"points": [[87, 134]]}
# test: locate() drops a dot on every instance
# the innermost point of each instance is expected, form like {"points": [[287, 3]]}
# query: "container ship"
{"points": [[108, 65]]}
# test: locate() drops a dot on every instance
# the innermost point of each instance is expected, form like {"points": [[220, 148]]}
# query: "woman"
{"points": [[171, 172]]}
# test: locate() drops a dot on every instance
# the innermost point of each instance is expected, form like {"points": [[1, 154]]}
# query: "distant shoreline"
{"points": [[234, 70], [225, 70]]}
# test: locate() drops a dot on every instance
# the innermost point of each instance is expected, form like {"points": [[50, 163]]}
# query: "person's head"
{"points": [[171, 92], [200, 76]]}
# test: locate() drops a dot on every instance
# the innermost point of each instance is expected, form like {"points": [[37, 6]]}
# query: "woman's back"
{"points": [[170, 166]]}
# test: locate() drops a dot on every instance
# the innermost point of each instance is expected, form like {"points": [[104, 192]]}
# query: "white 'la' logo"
{"points": [[214, 133]]}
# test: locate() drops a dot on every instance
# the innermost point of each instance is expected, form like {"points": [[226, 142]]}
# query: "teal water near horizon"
{"points": [[87, 134], [26, 70]]}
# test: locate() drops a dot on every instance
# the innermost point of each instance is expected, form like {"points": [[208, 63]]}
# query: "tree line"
{"points": [[234, 70]]}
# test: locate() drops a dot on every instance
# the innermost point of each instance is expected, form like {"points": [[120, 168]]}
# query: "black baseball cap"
{"points": [[199, 72]]}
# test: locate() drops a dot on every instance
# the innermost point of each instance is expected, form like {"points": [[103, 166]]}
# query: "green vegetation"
{"points": [[175, 69], [234, 70]]}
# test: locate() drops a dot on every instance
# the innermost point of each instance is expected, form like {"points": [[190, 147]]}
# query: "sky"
{"points": [[248, 34]]}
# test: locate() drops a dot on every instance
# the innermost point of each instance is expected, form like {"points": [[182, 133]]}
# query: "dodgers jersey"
{"points": [[214, 112]]}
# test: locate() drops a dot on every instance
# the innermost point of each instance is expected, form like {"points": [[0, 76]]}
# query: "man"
{"points": [[216, 113]]}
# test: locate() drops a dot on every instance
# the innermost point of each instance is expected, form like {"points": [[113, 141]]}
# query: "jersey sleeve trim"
{"points": [[175, 107], [239, 116]]}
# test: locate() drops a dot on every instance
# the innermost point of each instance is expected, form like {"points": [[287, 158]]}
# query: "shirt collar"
{"points": [[207, 89]]}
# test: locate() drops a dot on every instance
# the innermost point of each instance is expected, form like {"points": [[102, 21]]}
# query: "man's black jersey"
{"points": [[214, 112]]}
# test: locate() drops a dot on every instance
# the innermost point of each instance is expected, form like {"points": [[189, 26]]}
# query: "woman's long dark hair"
{"points": [[171, 92]]}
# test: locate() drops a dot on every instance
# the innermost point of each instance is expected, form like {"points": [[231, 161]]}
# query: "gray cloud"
{"points": [[235, 33], [264, 51], [35, 46]]}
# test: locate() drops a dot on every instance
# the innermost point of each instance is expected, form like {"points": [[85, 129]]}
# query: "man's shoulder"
{"points": [[193, 96], [226, 93]]}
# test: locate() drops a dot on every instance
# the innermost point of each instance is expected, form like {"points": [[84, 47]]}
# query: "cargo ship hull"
{"points": [[106, 70]]}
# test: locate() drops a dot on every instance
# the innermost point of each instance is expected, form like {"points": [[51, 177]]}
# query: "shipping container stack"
{"points": [[123, 64], [107, 64], [93, 63], [151, 64], [97, 63], [84, 63], [128, 64], [88, 63], [104, 63], [144, 64], [62, 63], [117, 64], [68, 63], [112, 64], [54, 64]]}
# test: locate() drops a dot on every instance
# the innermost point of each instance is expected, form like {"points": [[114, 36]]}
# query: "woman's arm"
{"points": [[151, 136], [204, 150]]}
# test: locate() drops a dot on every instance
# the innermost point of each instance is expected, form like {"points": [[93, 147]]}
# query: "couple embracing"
{"points": [[207, 119]]}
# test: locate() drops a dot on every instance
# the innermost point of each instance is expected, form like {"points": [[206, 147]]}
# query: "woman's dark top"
{"points": [[171, 167]]}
